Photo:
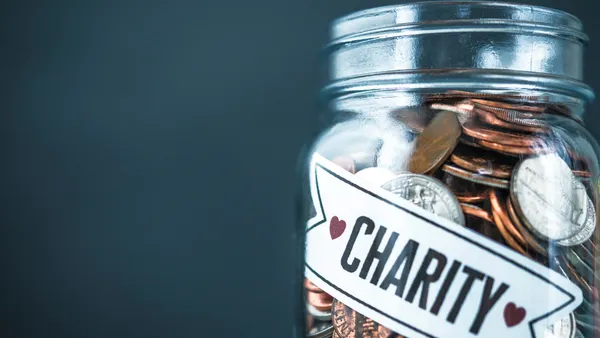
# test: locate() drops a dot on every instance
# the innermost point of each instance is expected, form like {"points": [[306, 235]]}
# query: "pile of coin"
{"points": [[498, 165]]}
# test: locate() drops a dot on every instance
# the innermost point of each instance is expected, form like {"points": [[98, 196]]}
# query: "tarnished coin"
{"points": [[435, 144], [586, 231], [348, 323], [563, 328], [474, 177], [376, 175], [483, 162], [428, 193], [550, 199]]}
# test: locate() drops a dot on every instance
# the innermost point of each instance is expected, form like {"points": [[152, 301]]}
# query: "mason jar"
{"points": [[453, 189]]}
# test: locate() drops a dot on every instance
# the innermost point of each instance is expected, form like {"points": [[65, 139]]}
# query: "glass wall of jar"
{"points": [[453, 190]]}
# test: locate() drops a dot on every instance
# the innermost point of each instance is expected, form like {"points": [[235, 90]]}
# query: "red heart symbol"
{"points": [[513, 315], [336, 227]]}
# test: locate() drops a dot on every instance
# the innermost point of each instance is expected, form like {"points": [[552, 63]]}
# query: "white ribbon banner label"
{"points": [[421, 275]]}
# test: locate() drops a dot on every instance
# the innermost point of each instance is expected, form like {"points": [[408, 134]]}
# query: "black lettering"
{"points": [[424, 279], [407, 256], [381, 256], [488, 300], [472, 275], [439, 300], [362, 220]]}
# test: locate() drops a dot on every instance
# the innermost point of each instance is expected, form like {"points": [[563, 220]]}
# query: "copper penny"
{"points": [[469, 141], [475, 197], [435, 144], [308, 285], [466, 191], [512, 116], [490, 135], [499, 208], [345, 162], [450, 94], [513, 150], [475, 177], [509, 114], [348, 323], [475, 211], [529, 238], [482, 162], [320, 300], [510, 240], [491, 118], [521, 107]]}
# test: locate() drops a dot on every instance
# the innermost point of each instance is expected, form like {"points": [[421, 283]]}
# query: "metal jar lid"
{"points": [[437, 43]]}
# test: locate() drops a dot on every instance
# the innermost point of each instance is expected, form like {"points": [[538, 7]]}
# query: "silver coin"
{"points": [[321, 330], [563, 328], [586, 232], [550, 199], [317, 314], [427, 193], [376, 175]]}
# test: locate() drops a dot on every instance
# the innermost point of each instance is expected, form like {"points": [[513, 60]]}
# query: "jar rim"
{"points": [[377, 18]]}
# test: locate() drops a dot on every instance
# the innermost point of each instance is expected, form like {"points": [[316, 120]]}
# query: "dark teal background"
{"points": [[149, 160]]}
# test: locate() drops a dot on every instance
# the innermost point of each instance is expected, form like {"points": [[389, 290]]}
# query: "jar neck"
{"points": [[483, 46], [382, 102]]}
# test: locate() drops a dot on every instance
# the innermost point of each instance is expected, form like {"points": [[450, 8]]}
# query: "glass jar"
{"points": [[453, 190]]}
